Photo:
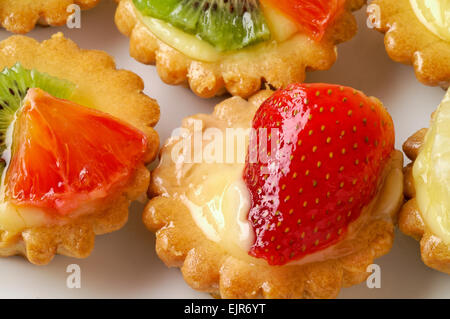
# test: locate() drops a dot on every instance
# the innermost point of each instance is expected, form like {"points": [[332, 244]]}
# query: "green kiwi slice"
{"points": [[14, 84], [226, 24]]}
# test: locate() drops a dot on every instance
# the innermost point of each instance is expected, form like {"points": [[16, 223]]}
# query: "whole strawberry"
{"points": [[320, 152]]}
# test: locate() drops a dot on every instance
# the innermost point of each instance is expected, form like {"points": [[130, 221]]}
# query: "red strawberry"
{"points": [[333, 144]]}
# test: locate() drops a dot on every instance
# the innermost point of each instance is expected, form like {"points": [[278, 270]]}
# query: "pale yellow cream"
{"points": [[217, 196], [434, 15], [431, 173]]}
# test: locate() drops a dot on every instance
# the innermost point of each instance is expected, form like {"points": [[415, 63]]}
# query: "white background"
{"points": [[124, 264]]}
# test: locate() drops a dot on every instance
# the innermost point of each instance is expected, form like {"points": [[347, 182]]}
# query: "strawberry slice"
{"points": [[313, 15], [329, 145], [64, 154]]}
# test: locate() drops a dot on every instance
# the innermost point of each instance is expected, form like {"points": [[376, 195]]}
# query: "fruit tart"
{"points": [[20, 16], [76, 134], [417, 33], [289, 194], [425, 215], [237, 46]]}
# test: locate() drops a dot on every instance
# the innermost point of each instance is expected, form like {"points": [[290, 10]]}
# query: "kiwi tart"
{"points": [[217, 46], [76, 134], [20, 16]]}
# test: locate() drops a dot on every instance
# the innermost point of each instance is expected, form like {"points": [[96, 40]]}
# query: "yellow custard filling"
{"points": [[217, 196], [431, 173], [434, 15], [13, 220]]}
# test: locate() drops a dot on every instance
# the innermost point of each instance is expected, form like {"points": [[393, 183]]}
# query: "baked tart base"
{"points": [[243, 76], [408, 41], [99, 84], [21, 16], [207, 266]]}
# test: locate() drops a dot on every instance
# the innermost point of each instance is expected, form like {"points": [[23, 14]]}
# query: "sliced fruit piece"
{"points": [[225, 24], [160, 9], [328, 146], [281, 26], [435, 15], [65, 155], [431, 173], [314, 16], [14, 84]]}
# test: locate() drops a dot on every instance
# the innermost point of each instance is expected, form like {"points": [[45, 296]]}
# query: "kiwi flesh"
{"points": [[225, 24], [14, 84]]}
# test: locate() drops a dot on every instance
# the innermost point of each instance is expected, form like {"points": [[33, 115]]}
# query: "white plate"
{"points": [[124, 264]]}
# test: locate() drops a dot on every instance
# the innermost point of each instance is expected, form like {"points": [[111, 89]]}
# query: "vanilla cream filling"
{"points": [[434, 15], [431, 173], [14, 220], [219, 206], [218, 200]]}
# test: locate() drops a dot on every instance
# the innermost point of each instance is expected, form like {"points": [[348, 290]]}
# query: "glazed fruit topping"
{"points": [[328, 146], [314, 16], [226, 24], [64, 155]]}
